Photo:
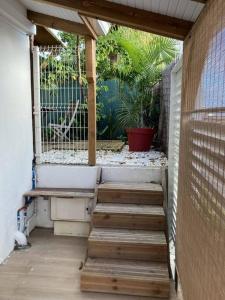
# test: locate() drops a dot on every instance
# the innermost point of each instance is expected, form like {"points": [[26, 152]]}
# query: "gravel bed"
{"points": [[106, 157]]}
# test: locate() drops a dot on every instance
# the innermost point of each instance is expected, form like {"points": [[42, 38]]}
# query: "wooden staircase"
{"points": [[127, 248]]}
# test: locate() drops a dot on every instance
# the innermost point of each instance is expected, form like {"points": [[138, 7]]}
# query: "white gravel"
{"points": [[123, 158]]}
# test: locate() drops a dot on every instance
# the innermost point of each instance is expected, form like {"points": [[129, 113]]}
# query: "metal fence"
{"points": [[63, 99]]}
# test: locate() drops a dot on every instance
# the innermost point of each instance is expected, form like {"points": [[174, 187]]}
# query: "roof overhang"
{"points": [[62, 18], [163, 17]]}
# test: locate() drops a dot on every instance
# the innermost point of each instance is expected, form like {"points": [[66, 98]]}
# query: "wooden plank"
{"points": [[199, 1], [129, 16], [124, 277], [133, 193], [132, 186], [127, 244], [148, 210], [57, 23], [128, 236], [126, 216], [45, 37], [58, 192], [130, 198], [90, 45]]}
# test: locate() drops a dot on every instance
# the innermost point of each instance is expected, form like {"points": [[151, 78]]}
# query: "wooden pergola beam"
{"points": [[45, 37], [58, 23], [129, 16], [88, 25], [200, 1], [90, 47]]}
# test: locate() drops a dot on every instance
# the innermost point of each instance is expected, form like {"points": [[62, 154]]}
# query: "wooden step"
{"points": [[129, 216], [126, 277], [133, 193], [127, 244]]}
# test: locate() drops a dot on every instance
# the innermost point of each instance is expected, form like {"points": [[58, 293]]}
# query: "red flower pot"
{"points": [[140, 139]]}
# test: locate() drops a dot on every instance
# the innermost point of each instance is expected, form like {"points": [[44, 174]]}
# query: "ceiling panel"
{"points": [[51, 10], [183, 9]]}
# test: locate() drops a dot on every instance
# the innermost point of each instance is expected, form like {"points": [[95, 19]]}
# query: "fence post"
{"points": [[90, 45], [37, 106]]}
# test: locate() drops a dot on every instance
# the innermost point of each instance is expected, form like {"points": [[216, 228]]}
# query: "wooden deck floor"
{"points": [[49, 270]]}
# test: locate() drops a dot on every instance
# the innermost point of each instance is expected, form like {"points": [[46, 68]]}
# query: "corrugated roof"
{"points": [[182, 9]]}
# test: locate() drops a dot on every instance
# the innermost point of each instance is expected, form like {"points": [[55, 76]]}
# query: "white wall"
{"points": [[67, 176], [15, 126]]}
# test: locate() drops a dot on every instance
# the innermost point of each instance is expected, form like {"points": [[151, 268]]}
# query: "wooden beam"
{"points": [[89, 27], [44, 37], [57, 23], [129, 16], [200, 1], [90, 45]]}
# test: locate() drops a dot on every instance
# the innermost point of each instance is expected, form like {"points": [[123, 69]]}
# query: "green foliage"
{"points": [[128, 112], [108, 46], [147, 55], [58, 65]]}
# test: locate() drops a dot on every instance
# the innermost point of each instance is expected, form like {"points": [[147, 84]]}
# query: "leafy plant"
{"points": [[128, 112], [149, 54], [108, 47]]}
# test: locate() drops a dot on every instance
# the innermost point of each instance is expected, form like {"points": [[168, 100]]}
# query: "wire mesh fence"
{"points": [[63, 99]]}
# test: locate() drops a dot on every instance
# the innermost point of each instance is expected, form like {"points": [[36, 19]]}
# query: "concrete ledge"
{"points": [[132, 174], [64, 176]]}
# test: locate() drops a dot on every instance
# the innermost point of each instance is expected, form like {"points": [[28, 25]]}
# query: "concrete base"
{"points": [[131, 174]]}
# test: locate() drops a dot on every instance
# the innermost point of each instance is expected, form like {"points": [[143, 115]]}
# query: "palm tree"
{"points": [[149, 55]]}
